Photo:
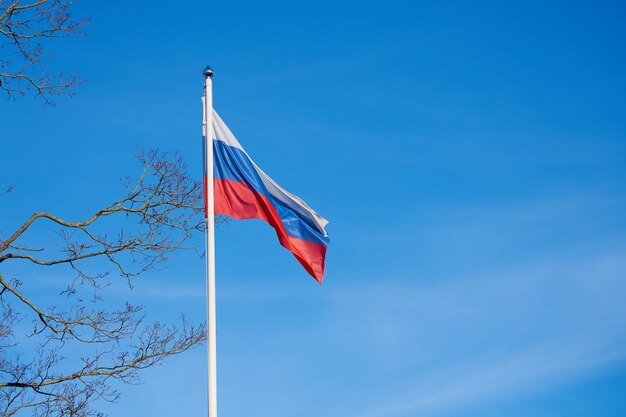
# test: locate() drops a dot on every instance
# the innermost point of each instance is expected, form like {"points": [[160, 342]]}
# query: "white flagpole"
{"points": [[210, 244]]}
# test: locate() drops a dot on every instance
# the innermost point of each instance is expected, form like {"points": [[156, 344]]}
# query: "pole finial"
{"points": [[208, 72]]}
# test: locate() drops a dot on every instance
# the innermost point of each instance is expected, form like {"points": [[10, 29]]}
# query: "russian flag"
{"points": [[243, 191]]}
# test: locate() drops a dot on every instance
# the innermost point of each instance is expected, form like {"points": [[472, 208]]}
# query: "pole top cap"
{"points": [[208, 72]]}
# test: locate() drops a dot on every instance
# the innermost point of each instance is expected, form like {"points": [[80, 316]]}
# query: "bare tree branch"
{"points": [[24, 26], [157, 216]]}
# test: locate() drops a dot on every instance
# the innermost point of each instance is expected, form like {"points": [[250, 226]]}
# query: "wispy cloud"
{"points": [[484, 338]]}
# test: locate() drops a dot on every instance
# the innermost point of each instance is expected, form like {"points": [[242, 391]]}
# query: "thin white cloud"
{"points": [[480, 339]]}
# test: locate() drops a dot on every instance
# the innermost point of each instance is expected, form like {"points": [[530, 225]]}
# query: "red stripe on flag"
{"points": [[235, 199]]}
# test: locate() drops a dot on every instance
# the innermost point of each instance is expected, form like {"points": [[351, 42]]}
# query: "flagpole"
{"points": [[210, 244]]}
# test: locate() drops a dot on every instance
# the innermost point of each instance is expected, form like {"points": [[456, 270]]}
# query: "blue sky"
{"points": [[471, 158]]}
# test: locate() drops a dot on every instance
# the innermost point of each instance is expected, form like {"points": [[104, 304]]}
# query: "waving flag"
{"points": [[243, 191]]}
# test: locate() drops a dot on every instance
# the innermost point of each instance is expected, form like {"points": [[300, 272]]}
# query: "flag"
{"points": [[243, 191]]}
